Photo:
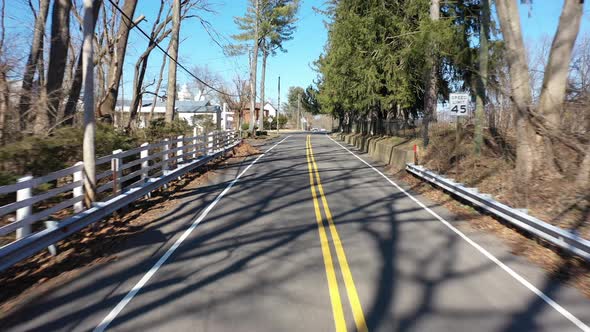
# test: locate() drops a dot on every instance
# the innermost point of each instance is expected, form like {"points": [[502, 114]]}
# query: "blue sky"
{"points": [[293, 67], [197, 48]]}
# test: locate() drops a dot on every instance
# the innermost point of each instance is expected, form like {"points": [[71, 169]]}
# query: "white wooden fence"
{"points": [[116, 173]]}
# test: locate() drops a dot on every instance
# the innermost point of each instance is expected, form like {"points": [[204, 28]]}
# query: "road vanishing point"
{"points": [[308, 235]]}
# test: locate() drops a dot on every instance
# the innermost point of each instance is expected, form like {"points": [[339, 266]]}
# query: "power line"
{"points": [[136, 26]]}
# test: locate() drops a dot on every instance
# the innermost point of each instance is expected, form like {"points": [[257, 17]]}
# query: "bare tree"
{"points": [[158, 34], [236, 97], [34, 60], [536, 129], [430, 95], [556, 76], [115, 66], [58, 56], [208, 79], [157, 89], [5, 104], [76, 84]]}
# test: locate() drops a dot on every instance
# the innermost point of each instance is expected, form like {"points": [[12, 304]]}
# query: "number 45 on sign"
{"points": [[459, 102]]}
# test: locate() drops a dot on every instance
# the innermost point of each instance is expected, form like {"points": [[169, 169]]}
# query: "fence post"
{"points": [[179, 153], [195, 142], [210, 143], [217, 141], [146, 163], [165, 157], [24, 212], [79, 191], [116, 171]]}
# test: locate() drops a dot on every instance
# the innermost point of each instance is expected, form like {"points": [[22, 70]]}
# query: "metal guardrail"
{"points": [[185, 157], [567, 240]]}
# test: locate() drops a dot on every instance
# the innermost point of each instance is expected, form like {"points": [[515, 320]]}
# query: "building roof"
{"points": [[182, 106]]}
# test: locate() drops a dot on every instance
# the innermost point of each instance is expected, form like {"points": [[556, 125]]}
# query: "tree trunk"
{"points": [[430, 95], [484, 27], [74, 95], [253, 67], [88, 143], [526, 153], [107, 105], [262, 81], [140, 69], [157, 91], [35, 56], [58, 56], [556, 76], [4, 102], [173, 50]]}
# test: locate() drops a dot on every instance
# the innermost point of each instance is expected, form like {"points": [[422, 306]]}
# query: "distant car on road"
{"points": [[315, 130], [323, 130]]}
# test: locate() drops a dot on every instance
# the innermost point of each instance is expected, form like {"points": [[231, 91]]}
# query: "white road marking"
{"points": [[113, 314], [486, 253]]}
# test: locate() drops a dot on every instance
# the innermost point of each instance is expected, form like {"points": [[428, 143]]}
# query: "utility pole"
{"points": [[88, 153], [173, 50], [279, 105], [299, 111]]}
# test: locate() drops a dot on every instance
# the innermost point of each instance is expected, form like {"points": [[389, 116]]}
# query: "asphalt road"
{"points": [[307, 237]]}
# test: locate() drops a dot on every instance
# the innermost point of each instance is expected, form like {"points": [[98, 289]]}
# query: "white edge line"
{"points": [[486, 253], [117, 309]]}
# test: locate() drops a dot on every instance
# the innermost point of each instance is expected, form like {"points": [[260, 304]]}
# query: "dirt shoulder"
{"points": [[99, 243]]}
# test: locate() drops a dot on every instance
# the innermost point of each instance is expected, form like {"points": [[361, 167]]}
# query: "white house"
{"points": [[193, 110]]}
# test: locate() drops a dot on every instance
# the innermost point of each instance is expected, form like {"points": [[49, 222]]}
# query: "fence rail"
{"points": [[123, 177], [565, 239]]}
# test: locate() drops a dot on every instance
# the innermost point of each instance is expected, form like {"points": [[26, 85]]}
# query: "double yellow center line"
{"points": [[337, 310]]}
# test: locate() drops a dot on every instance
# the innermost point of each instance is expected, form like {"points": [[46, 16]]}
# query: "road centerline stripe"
{"points": [[335, 299], [139, 285], [564, 312], [357, 311]]}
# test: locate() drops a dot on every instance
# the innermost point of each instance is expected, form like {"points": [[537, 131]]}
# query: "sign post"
{"points": [[458, 103]]}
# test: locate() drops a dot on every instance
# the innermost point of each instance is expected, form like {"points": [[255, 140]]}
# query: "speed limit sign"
{"points": [[458, 103]]}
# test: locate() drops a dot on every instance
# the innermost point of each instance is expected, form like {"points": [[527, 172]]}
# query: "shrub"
{"points": [[41, 155], [159, 129]]}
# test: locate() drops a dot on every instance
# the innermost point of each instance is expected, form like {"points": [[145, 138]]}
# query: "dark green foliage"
{"points": [[376, 61], [41, 155], [159, 129], [283, 119], [261, 133]]}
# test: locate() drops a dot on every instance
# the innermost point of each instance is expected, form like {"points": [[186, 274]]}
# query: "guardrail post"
{"points": [[179, 152], [116, 170], [79, 191], [195, 142], [210, 143], [51, 224], [24, 212]]}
